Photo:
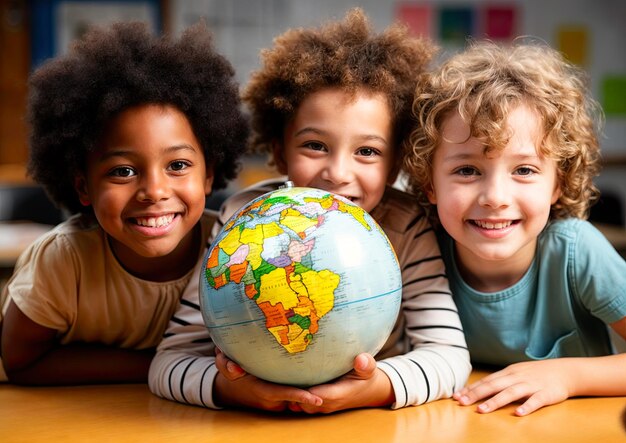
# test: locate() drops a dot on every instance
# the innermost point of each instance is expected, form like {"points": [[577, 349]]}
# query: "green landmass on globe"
{"points": [[292, 296]]}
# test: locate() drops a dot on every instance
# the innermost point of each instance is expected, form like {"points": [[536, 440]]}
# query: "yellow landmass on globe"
{"points": [[355, 212], [309, 295], [254, 235], [254, 255], [275, 289], [296, 221], [271, 229], [297, 338], [324, 282], [230, 242]]}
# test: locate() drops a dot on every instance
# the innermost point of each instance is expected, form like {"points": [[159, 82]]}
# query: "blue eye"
{"points": [[524, 170]]}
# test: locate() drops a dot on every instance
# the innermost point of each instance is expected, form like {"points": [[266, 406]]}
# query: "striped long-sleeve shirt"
{"points": [[425, 357]]}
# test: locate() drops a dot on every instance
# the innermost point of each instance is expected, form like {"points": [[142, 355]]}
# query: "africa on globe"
{"points": [[297, 283]]}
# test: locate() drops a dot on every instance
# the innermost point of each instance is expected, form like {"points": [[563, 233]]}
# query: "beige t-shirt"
{"points": [[70, 280]]}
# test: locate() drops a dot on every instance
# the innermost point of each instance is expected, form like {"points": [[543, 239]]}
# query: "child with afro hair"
{"points": [[129, 134], [332, 107]]}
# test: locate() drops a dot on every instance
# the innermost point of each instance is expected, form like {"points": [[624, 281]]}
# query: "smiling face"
{"points": [[147, 182], [341, 144], [494, 204]]}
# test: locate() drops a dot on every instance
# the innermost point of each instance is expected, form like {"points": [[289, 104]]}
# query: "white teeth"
{"points": [[489, 225], [155, 222]]}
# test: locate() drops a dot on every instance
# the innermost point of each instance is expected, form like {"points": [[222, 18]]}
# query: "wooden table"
{"points": [[125, 413]]}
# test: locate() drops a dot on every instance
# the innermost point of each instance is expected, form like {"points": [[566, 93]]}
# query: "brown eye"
{"points": [[367, 152], [179, 165], [315, 146], [122, 171], [467, 171]]}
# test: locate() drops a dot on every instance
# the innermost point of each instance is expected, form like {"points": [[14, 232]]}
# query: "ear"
{"points": [[393, 174], [80, 185], [279, 157], [208, 182], [556, 194], [430, 193]]}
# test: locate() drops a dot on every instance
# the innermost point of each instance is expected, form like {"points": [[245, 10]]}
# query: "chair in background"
{"points": [[608, 209], [28, 203]]}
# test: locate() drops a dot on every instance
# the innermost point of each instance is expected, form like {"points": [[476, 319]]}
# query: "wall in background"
{"points": [[590, 32]]}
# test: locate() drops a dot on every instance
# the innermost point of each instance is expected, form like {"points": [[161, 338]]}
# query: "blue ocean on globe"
{"points": [[297, 283]]}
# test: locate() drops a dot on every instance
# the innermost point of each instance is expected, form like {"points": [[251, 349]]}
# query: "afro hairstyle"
{"points": [[72, 97]]}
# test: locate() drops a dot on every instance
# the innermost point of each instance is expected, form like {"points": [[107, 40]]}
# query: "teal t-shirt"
{"points": [[575, 286]]}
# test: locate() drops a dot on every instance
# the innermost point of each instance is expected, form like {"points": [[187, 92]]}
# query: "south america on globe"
{"points": [[297, 283]]}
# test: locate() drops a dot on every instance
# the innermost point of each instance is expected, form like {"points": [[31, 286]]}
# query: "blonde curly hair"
{"points": [[346, 54], [484, 84]]}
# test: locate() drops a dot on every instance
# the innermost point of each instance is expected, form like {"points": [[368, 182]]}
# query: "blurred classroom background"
{"points": [[590, 33]]}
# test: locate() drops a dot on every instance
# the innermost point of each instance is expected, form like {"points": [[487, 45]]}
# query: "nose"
{"points": [[494, 192], [154, 186], [338, 170]]}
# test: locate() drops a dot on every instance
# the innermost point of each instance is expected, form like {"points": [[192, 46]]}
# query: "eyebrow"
{"points": [[365, 137], [469, 156], [121, 152]]}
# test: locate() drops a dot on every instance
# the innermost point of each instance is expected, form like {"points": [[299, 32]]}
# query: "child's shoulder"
{"points": [[577, 235], [73, 229], [571, 228], [78, 236], [399, 211]]}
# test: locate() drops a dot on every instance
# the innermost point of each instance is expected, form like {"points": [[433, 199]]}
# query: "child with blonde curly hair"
{"points": [[503, 156], [332, 107]]}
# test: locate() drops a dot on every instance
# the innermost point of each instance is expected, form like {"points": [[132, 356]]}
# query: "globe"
{"points": [[297, 283]]}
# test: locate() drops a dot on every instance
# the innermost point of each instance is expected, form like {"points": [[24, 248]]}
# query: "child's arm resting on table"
{"points": [[547, 382], [185, 369], [32, 355]]}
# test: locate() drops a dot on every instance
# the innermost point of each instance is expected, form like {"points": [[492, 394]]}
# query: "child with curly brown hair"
{"points": [[125, 136], [503, 155], [332, 105]]}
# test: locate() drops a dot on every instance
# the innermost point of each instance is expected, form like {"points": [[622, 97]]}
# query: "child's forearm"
{"points": [[76, 364], [598, 376], [185, 376]]}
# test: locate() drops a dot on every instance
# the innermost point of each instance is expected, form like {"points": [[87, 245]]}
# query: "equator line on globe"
{"points": [[297, 283]]}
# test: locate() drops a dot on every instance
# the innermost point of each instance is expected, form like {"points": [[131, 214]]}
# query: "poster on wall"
{"points": [[614, 95], [417, 17], [573, 42], [456, 23], [56, 23], [500, 22]]}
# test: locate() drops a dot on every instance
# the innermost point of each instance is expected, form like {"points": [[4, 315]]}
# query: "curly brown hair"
{"points": [[483, 84], [72, 97], [345, 54]]}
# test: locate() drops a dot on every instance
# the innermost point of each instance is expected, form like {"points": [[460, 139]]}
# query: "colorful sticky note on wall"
{"points": [[573, 42], [500, 22], [456, 24], [614, 95], [417, 17]]}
